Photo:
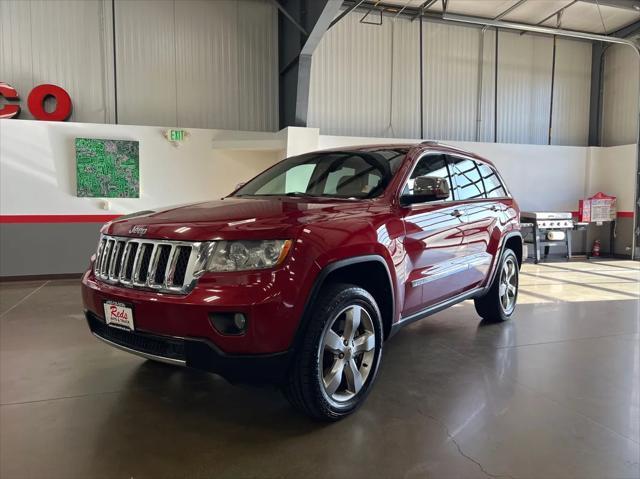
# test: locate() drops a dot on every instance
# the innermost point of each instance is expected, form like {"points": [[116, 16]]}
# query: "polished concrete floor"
{"points": [[554, 393]]}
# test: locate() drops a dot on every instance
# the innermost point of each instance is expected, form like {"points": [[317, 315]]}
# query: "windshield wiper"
{"points": [[300, 193]]}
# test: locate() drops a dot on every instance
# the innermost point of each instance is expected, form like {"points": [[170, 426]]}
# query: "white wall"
{"points": [[365, 81], [612, 171], [37, 177], [37, 166], [191, 63], [525, 168]]}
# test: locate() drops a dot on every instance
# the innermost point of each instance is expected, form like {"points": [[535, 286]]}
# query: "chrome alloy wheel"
{"points": [[508, 285], [347, 353]]}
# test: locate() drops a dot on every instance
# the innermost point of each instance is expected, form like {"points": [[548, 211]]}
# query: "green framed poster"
{"points": [[107, 168]]}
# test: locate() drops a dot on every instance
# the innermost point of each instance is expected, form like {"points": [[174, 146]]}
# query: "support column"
{"points": [[301, 26]]}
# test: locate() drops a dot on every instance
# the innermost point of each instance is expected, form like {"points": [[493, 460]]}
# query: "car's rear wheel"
{"points": [[339, 355], [500, 301]]}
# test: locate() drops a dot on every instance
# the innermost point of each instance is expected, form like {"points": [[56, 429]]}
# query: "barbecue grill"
{"points": [[548, 229]]}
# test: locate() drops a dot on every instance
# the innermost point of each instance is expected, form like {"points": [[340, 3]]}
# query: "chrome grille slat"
{"points": [[135, 275], [116, 256], [153, 265], [114, 259], [171, 268], [104, 263]]}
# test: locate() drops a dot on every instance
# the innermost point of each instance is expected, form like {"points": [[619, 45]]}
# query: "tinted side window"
{"points": [[492, 183], [429, 165], [467, 181]]}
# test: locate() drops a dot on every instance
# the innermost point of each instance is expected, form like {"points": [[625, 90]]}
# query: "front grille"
{"points": [[171, 348], [167, 266]]}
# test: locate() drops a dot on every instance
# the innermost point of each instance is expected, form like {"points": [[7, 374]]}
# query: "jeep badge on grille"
{"points": [[139, 230]]}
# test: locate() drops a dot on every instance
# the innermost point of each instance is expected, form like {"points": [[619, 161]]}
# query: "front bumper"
{"points": [[272, 304], [193, 353]]}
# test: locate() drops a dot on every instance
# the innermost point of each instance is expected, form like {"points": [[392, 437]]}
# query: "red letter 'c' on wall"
{"points": [[10, 93], [36, 103]]}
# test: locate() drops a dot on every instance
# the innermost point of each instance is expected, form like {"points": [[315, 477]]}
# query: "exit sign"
{"points": [[177, 135]]}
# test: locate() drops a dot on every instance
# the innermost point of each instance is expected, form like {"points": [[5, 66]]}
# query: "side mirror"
{"points": [[427, 188]]}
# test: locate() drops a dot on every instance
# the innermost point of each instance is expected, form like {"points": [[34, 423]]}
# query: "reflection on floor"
{"points": [[553, 393], [579, 281]]}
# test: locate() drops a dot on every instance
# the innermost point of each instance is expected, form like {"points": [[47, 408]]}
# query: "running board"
{"points": [[436, 308]]}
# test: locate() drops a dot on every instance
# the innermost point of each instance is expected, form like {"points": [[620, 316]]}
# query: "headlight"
{"points": [[246, 255]]}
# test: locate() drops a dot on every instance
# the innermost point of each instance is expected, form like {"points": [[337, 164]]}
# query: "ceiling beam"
{"points": [[289, 17], [345, 12], [633, 5], [628, 30], [509, 10]]}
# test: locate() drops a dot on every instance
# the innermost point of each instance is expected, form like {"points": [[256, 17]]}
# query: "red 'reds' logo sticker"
{"points": [[115, 314]]}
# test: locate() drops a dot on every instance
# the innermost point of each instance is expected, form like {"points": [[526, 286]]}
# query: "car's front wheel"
{"points": [[339, 355]]}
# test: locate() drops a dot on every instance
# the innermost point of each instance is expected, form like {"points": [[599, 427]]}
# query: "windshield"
{"points": [[338, 174]]}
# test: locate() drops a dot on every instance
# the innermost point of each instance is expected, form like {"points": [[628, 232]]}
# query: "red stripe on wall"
{"points": [[57, 218]]}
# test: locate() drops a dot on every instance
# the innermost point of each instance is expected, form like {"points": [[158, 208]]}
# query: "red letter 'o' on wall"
{"points": [[36, 103]]}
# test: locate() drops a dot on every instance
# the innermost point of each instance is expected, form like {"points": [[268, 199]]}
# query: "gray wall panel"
{"points": [[365, 81], [207, 72], [485, 129], [350, 92], [570, 125], [257, 40], [33, 249], [15, 47], [146, 62], [620, 96], [61, 42], [524, 87], [450, 81], [189, 63]]}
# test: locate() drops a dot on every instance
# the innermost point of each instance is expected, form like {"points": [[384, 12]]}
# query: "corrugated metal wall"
{"points": [[450, 55], [61, 42], [190, 63], [571, 93], [620, 96], [524, 88], [357, 85], [350, 91]]}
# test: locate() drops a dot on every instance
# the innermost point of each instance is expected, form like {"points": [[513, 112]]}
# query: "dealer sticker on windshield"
{"points": [[118, 315]]}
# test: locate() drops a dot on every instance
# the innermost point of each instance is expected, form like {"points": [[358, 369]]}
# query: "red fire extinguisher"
{"points": [[595, 251]]}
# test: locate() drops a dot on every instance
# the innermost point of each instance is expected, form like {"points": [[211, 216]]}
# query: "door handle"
{"points": [[494, 208], [457, 213]]}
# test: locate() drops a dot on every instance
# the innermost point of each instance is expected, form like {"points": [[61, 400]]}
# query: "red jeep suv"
{"points": [[300, 275]]}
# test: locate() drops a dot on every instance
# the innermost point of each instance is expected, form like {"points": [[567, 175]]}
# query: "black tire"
{"points": [[305, 388], [491, 306]]}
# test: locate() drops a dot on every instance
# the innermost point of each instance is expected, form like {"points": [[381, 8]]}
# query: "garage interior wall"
{"points": [[365, 81], [620, 96], [188, 63], [37, 180], [38, 184]]}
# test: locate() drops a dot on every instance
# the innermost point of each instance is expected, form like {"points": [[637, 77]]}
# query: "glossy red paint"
{"points": [[420, 244]]}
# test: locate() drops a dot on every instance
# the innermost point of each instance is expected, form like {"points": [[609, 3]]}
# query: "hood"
{"points": [[235, 218]]}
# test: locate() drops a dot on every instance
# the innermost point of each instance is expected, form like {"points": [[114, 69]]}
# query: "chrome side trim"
{"points": [[456, 266], [153, 357]]}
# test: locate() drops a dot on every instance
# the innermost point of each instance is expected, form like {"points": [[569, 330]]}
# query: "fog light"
{"points": [[229, 323]]}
